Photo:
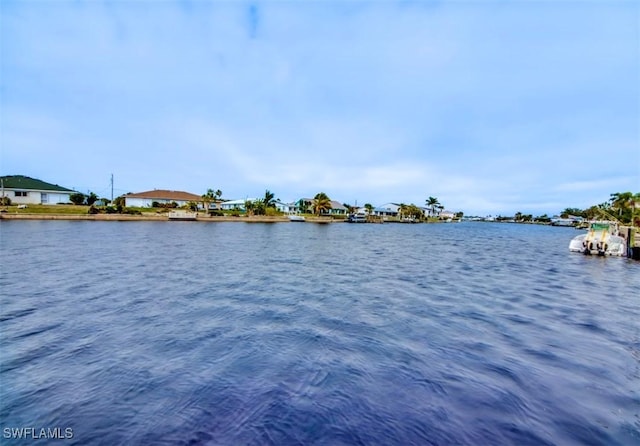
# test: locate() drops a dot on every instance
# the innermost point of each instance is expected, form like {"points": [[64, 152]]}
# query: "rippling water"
{"points": [[235, 333]]}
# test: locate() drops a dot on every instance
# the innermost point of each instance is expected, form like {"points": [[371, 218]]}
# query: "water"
{"points": [[235, 333]]}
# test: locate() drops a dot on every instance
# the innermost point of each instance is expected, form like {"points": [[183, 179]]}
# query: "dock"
{"points": [[632, 235]]}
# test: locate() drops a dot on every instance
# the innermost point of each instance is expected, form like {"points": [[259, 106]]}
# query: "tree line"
{"points": [[319, 205], [267, 204], [621, 206]]}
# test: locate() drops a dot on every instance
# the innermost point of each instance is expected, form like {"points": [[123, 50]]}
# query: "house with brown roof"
{"points": [[146, 199]]}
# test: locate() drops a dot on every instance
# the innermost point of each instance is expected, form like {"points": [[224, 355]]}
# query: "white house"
{"points": [[287, 208], [235, 205], [25, 190], [446, 215], [146, 199], [387, 210]]}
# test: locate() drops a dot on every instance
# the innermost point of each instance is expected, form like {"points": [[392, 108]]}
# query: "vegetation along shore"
{"points": [[23, 197], [622, 207]]}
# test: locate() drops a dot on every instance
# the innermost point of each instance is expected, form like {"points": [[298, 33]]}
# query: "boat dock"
{"points": [[632, 235], [182, 216]]}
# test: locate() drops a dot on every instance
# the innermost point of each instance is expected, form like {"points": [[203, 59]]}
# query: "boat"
{"points": [[570, 221], [182, 216], [296, 218], [602, 238], [357, 218]]}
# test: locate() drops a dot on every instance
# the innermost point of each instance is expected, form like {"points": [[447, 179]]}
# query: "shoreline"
{"points": [[125, 217]]}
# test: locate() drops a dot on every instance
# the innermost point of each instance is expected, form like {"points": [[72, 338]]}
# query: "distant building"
{"points": [[445, 215], [235, 205], [387, 210], [287, 208], [306, 205], [338, 209], [25, 190], [146, 199]]}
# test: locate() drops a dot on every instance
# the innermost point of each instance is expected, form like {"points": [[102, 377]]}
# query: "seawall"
{"points": [[159, 217]]}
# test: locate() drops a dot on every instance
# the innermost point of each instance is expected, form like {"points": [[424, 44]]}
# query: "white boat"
{"points": [[562, 222], [359, 217], [602, 238], [296, 218], [569, 221]]}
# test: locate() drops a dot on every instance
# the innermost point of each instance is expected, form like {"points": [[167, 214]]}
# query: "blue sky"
{"points": [[493, 107]]}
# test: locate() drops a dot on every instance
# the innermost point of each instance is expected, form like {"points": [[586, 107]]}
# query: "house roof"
{"points": [[239, 201], [334, 204], [337, 205], [27, 183], [393, 207], [161, 194]]}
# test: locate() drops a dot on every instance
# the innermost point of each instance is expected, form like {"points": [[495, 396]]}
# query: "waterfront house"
{"points": [[235, 205], [387, 210], [287, 208], [160, 196], [214, 205], [337, 208], [446, 215], [25, 190], [306, 205]]}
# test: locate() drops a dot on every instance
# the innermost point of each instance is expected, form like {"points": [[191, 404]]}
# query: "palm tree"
{"points": [[432, 203], [415, 212], [369, 208], [402, 209], [207, 199], [249, 207], [269, 199], [321, 203], [621, 201], [91, 198], [593, 212], [572, 211], [211, 196]]}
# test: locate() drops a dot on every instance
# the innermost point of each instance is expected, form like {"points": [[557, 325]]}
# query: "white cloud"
{"points": [[486, 106]]}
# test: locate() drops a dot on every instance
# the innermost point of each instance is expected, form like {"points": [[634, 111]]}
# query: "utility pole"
{"points": [[111, 188]]}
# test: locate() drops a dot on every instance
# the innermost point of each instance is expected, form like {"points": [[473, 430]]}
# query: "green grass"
{"points": [[62, 209], [47, 209]]}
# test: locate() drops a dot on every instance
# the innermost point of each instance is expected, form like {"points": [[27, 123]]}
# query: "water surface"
{"points": [[235, 333]]}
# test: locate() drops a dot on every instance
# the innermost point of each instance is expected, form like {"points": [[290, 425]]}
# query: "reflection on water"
{"points": [[229, 333]]}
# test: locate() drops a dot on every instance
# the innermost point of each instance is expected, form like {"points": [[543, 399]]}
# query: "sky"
{"points": [[493, 107]]}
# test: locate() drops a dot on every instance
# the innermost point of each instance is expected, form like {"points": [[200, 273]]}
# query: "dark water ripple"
{"points": [[156, 333]]}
